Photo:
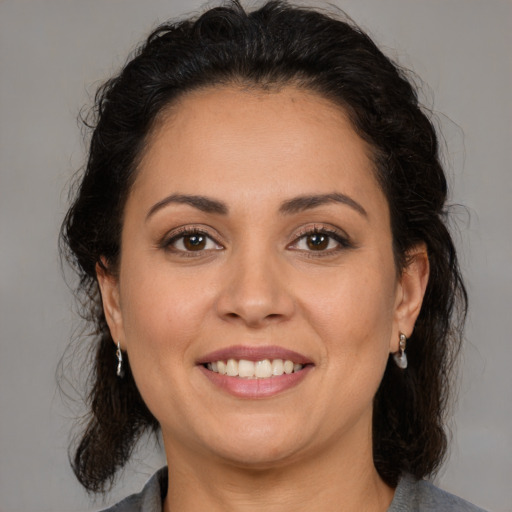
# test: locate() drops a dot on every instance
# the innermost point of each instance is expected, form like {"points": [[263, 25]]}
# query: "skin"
{"points": [[257, 283]]}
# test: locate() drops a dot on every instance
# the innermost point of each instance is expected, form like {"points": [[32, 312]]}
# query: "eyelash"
{"points": [[342, 240], [180, 234]]}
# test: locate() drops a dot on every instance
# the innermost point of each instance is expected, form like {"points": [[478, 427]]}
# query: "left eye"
{"points": [[317, 242], [190, 242]]}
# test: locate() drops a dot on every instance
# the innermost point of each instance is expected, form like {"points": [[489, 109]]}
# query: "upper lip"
{"points": [[254, 354]]}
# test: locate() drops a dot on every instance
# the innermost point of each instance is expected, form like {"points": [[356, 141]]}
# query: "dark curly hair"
{"points": [[275, 45]]}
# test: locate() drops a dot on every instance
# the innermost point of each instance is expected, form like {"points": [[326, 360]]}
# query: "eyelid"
{"points": [[175, 234], [337, 234]]}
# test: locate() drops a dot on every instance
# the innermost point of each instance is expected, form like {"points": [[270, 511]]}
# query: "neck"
{"points": [[336, 479]]}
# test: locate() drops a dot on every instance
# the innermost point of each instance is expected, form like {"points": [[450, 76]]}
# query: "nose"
{"points": [[256, 292]]}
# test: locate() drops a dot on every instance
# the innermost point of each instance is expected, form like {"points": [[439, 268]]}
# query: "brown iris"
{"points": [[196, 242], [317, 242]]}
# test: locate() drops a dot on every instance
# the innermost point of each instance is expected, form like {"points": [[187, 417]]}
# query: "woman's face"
{"points": [[256, 231]]}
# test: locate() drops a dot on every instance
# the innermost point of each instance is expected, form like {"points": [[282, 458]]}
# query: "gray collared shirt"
{"points": [[410, 496]]}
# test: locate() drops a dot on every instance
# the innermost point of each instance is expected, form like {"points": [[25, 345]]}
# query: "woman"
{"points": [[260, 230]]}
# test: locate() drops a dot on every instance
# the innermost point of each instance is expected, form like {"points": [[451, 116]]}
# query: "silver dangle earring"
{"points": [[119, 355], [400, 357]]}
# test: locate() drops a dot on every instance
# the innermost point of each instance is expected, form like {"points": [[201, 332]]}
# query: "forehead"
{"points": [[242, 140]]}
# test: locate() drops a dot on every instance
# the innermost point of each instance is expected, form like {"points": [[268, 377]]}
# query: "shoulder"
{"points": [[421, 496], [150, 499]]}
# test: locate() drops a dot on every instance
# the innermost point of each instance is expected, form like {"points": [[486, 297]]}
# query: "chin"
{"points": [[259, 457], [258, 445]]}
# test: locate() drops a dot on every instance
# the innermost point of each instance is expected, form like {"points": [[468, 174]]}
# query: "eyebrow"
{"points": [[302, 203], [202, 203], [295, 205]]}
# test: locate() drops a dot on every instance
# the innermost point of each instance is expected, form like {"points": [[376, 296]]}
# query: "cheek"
{"points": [[355, 321], [159, 306], [354, 311], [162, 315]]}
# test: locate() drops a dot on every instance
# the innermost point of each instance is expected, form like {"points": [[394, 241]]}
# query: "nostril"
{"points": [[254, 302]]}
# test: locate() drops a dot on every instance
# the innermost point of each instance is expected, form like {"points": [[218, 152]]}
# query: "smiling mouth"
{"points": [[255, 372], [263, 369]]}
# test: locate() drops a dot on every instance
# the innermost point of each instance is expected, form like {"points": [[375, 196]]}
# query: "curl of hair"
{"points": [[273, 46]]}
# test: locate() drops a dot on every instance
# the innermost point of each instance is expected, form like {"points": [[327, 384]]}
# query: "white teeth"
{"points": [[288, 367], [277, 367], [221, 367], [263, 369], [246, 369], [232, 368]]}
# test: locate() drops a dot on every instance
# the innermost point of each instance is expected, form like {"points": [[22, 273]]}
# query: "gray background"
{"points": [[53, 53]]}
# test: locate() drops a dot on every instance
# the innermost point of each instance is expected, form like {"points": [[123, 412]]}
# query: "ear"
{"points": [[411, 290], [109, 288]]}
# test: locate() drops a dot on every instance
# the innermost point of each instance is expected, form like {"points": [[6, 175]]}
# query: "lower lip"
{"points": [[256, 388]]}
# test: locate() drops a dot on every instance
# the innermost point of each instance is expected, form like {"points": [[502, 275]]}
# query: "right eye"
{"points": [[192, 241]]}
